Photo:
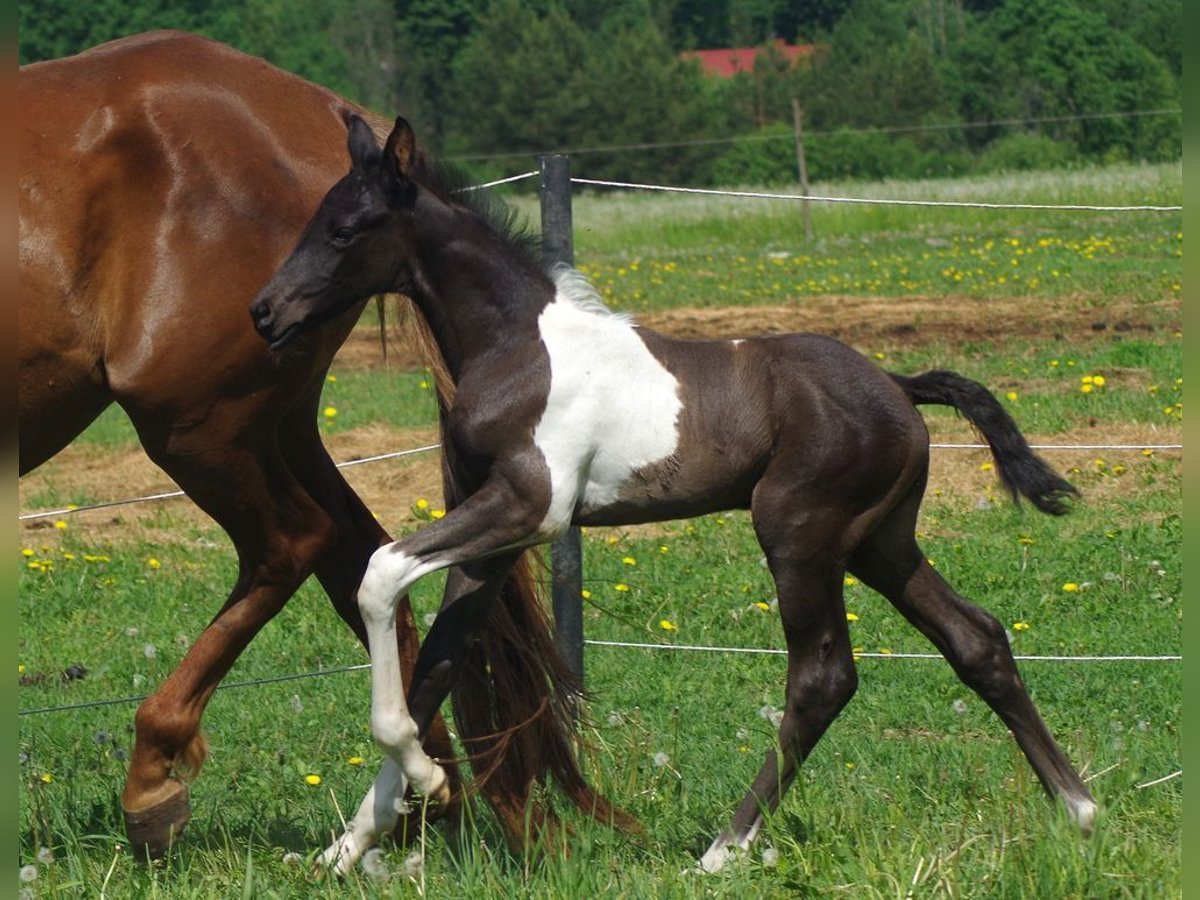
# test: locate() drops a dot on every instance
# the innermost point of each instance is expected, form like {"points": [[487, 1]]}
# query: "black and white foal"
{"points": [[566, 413]]}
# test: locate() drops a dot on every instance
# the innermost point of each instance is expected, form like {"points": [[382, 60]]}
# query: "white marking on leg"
{"points": [[612, 409], [377, 814], [1082, 811], [389, 574], [726, 848]]}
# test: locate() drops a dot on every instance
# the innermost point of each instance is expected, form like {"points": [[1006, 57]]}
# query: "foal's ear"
{"points": [[364, 149], [401, 148]]}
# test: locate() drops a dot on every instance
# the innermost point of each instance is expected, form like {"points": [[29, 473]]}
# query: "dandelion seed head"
{"points": [[770, 857], [661, 759], [959, 705], [28, 874], [375, 865], [150, 651]]}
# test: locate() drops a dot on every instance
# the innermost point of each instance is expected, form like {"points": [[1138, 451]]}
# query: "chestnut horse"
{"points": [[566, 413], [163, 178]]}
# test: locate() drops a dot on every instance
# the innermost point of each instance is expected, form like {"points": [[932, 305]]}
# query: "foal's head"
{"points": [[358, 244]]}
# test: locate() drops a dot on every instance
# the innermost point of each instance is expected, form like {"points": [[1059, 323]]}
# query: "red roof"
{"points": [[729, 62]]}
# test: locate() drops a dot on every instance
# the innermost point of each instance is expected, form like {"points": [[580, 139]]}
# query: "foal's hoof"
{"points": [[153, 830]]}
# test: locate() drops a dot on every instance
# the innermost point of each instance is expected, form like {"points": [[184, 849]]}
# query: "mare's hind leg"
{"points": [[279, 532], [974, 643], [821, 677]]}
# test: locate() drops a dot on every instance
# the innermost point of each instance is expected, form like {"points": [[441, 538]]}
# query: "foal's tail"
{"points": [[1023, 472]]}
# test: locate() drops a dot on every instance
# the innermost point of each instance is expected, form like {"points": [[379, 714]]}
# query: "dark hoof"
{"points": [[153, 830]]}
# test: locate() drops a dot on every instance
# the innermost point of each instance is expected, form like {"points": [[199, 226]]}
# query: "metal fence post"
{"points": [[566, 554]]}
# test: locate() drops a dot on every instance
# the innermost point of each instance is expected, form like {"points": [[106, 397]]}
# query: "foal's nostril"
{"points": [[260, 313]]}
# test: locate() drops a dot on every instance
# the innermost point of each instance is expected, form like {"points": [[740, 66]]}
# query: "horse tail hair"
{"points": [[1022, 472], [515, 699]]}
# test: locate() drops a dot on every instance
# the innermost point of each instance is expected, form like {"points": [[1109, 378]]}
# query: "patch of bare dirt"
{"points": [[869, 323]]}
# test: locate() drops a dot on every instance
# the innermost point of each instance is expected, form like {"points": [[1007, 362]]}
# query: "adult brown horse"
{"points": [[163, 179]]}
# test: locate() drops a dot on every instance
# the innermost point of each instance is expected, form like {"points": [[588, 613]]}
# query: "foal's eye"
{"points": [[343, 235]]}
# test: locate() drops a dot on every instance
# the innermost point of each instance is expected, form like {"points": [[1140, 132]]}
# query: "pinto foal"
{"points": [[568, 414]]}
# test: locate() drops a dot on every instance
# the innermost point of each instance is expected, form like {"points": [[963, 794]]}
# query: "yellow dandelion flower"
{"points": [[849, 767], [667, 625], [1098, 380], [20, 668], [1020, 626], [1011, 395], [851, 617], [353, 761], [1025, 539], [1086, 388], [664, 549], [314, 780], [985, 467], [629, 561], [422, 503], [879, 354], [765, 607], [849, 581], [27, 552], [332, 379], [423, 385], [153, 563], [47, 778], [621, 586], [436, 513], [60, 525], [1070, 587], [329, 412], [886, 651]]}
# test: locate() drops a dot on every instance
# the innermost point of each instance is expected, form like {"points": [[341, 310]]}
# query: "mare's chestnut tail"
{"points": [[1022, 472]]}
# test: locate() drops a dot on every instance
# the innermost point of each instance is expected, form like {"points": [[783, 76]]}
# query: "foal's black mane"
{"points": [[455, 185]]}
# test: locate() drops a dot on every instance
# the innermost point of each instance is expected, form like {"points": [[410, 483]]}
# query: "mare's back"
{"points": [[162, 179]]}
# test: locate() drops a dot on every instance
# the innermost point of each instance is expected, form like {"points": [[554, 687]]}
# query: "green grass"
{"points": [[902, 777], [915, 788]]}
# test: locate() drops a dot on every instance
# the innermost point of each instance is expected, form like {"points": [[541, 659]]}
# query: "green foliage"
{"points": [[1023, 151], [501, 78]]}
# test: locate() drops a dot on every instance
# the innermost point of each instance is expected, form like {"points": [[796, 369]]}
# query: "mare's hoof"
{"points": [[152, 831]]}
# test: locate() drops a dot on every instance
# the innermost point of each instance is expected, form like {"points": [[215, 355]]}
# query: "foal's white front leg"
{"points": [[389, 575], [377, 814]]}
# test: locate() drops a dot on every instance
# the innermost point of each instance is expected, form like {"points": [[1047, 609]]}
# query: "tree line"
{"points": [[893, 88]]}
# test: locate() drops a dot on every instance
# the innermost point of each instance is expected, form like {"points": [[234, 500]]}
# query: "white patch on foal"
{"points": [[612, 409]]}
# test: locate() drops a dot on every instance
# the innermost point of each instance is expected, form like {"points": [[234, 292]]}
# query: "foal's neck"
{"points": [[478, 291]]}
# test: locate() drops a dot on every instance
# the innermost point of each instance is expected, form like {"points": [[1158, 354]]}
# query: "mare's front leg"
{"points": [[495, 519]]}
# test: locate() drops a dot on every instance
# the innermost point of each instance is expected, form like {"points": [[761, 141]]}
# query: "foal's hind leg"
{"points": [[821, 677], [974, 643]]}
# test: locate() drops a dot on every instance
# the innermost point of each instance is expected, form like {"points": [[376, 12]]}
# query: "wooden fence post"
{"points": [[566, 554], [801, 165]]}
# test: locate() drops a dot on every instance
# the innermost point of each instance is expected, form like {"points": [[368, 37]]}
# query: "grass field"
{"points": [[916, 790]]}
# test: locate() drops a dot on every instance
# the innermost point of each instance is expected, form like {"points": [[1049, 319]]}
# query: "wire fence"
{"points": [[629, 645], [691, 647]]}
